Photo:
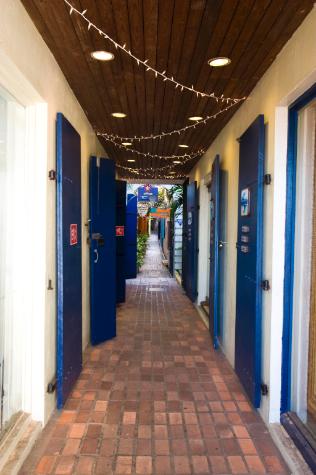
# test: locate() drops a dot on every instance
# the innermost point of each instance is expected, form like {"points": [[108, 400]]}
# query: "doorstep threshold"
{"points": [[290, 453], [301, 436]]}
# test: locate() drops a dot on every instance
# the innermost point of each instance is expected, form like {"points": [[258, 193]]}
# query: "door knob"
{"points": [[221, 244]]}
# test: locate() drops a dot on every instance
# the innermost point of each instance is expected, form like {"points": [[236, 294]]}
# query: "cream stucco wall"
{"points": [[293, 71], [34, 66]]}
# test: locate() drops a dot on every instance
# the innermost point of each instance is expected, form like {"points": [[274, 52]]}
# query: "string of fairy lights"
{"points": [[184, 158], [149, 68], [118, 141], [140, 138], [151, 173]]}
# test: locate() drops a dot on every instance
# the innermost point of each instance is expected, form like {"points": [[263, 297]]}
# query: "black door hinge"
{"points": [[267, 179], [265, 285], [264, 389], [51, 387], [52, 174]]}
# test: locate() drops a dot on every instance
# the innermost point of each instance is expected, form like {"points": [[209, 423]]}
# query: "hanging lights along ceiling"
{"points": [[171, 132], [161, 74], [184, 158]]}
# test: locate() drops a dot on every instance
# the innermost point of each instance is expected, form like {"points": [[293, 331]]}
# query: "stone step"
{"points": [[17, 442]]}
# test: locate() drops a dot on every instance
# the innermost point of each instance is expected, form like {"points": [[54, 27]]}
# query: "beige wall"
{"points": [[34, 65], [293, 71]]}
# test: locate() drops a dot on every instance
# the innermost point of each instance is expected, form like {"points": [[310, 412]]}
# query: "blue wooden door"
{"points": [[120, 240], [102, 205], [131, 238], [69, 284], [191, 244], [249, 260], [214, 252]]}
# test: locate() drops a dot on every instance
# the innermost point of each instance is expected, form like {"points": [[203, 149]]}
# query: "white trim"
{"points": [[204, 242], [34, 236], [302, 260], [278, 249]]}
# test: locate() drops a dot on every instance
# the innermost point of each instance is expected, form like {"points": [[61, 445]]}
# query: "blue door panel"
{"points": [[120, 240], [191, 241], [102, 205], [69, 283], [214, 252], [248, 330], [131, 238]]}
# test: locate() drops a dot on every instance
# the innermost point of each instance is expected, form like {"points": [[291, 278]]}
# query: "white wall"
{"points": [[293, 71], [30, 73]]}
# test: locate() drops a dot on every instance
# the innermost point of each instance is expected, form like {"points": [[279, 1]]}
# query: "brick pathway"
{"points": [[157, 399]]}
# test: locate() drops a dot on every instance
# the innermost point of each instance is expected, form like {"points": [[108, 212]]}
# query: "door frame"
{"points": [[215, 181], [289, 254], [34, 399]]}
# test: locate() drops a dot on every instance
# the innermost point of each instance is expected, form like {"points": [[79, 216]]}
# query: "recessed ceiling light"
{"points": [[176, 161], [102, 55], [131, 160], [220, 61], [127, 144], [118, 115], [183, 145], [195, 118]]}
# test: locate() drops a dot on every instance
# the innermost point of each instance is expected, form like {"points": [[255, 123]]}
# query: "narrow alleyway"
{"points": [[157, 399]]}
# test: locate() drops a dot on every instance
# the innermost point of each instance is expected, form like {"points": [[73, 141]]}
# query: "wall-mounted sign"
{"points": [[142, 208], [147, 193], [73, 234], [119, 231], [160, 212], [245, 202]]}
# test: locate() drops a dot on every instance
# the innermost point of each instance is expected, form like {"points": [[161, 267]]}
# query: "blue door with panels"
{"points": [[69, 245], [131, 238], [248, 331], [102, 240], [120, 240], [214, 251], [191, 241]]}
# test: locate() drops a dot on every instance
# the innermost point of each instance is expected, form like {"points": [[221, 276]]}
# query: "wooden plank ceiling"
{"points": [[178, 36]]}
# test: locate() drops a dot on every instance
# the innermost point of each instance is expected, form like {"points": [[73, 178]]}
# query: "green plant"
{"points": [[141, 249], [175, 198]]}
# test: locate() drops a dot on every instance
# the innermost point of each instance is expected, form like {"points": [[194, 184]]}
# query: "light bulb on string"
{"points": [[164, 134], [149, 68]]}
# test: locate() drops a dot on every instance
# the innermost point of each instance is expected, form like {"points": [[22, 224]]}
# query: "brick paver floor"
{"points": [[157, 399]]}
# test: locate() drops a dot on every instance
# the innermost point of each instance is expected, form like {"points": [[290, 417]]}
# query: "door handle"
{"points": [[97, 256], [221, 244]]}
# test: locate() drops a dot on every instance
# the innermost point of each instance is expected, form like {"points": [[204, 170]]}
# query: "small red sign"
{"points": [[119, 231], [73, 234]]}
